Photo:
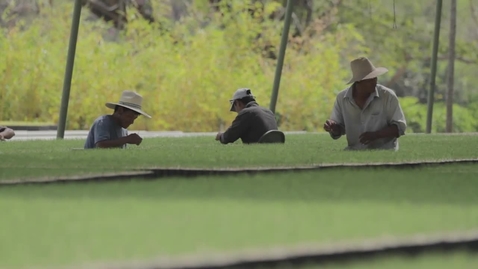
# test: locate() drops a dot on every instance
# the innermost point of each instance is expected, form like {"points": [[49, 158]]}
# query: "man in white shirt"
{"points": [[369, 114]]}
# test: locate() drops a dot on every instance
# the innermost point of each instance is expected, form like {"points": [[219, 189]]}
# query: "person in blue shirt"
{"points": [[110, 131]]}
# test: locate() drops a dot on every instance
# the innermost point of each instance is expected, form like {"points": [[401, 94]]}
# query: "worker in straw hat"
{"points": [[252, 121], [109, 131], [369, 114]]}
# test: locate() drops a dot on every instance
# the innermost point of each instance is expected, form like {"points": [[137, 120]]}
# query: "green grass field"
{"points": [[53, 158], [66, 224], [78, 223]]}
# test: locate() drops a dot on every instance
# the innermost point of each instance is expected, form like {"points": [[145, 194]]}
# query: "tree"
{"points": [[11, 11], [115, 10]]}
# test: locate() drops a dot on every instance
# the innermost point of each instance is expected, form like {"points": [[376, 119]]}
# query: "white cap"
{"points": [[239, 94]]}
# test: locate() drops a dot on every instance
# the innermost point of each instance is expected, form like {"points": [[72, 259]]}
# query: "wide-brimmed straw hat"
{"points": [[362, 69], [130, 100]]}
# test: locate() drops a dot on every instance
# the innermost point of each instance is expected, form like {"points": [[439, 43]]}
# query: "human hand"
{"points": [[368, 137], [134, 139], [332, 127]]}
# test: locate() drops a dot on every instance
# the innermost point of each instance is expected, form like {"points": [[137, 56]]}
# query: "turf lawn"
{"points": [[71, 224], [22, 159], [77, 223]]}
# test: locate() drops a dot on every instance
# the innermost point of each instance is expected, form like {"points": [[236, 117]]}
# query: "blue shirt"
{"points": [[104, 128]]}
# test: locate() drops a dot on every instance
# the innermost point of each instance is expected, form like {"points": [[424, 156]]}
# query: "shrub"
{"points": [[464, 119], [186, 73], [186, 76]]}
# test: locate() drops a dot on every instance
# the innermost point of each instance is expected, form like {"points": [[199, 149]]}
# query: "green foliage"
{"points": [[186, 77], [408, 46], [464, 118], [188, 71]]}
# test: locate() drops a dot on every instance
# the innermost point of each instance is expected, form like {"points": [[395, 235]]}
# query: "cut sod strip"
{"points": [[33, 159], [162, 173], [349, 253], [80, 224]]}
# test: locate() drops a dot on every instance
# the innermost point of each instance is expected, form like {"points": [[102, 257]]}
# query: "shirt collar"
{"points": [[348, 93], [252, 103]]}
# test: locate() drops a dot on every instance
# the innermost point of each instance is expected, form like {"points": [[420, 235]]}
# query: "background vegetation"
{"points": [[190, 60]]}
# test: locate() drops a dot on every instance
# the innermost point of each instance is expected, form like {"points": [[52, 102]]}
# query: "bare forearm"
{"points": [[113, 143], [388, 132], [336, 134]]}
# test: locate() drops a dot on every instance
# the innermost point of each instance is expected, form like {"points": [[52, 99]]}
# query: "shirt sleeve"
{"points": [[102, 131], [395, 115], [338, 117], [239, 126]]}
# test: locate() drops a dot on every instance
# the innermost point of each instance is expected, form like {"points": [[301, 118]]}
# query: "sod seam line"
{"points": [[306, 254], [159, 173], [83, 178]]}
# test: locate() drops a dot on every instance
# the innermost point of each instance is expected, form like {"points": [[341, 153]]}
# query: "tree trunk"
{"points": [[451, 68]]}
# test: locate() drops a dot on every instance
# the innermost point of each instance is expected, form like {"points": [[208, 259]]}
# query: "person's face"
{"points": [[368, 84], [127, 117], [238, 106]]}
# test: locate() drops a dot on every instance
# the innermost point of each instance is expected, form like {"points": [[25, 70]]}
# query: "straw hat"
{"points": [[362, 69], [130, 100]]}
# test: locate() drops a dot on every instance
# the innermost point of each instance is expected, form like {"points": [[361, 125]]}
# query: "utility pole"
{"points": [[451, 68], [436, 41], [75, 25], [280, 60]]}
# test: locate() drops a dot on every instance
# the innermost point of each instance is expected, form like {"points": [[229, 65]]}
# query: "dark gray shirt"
{"points": [[250, 124], [104, 128]]}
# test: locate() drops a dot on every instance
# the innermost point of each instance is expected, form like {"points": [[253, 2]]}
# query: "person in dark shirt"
{"points": [[6, 133], [252, 121]]}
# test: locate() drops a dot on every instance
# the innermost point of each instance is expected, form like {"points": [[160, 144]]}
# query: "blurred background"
{"points": [[188, 57]]}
